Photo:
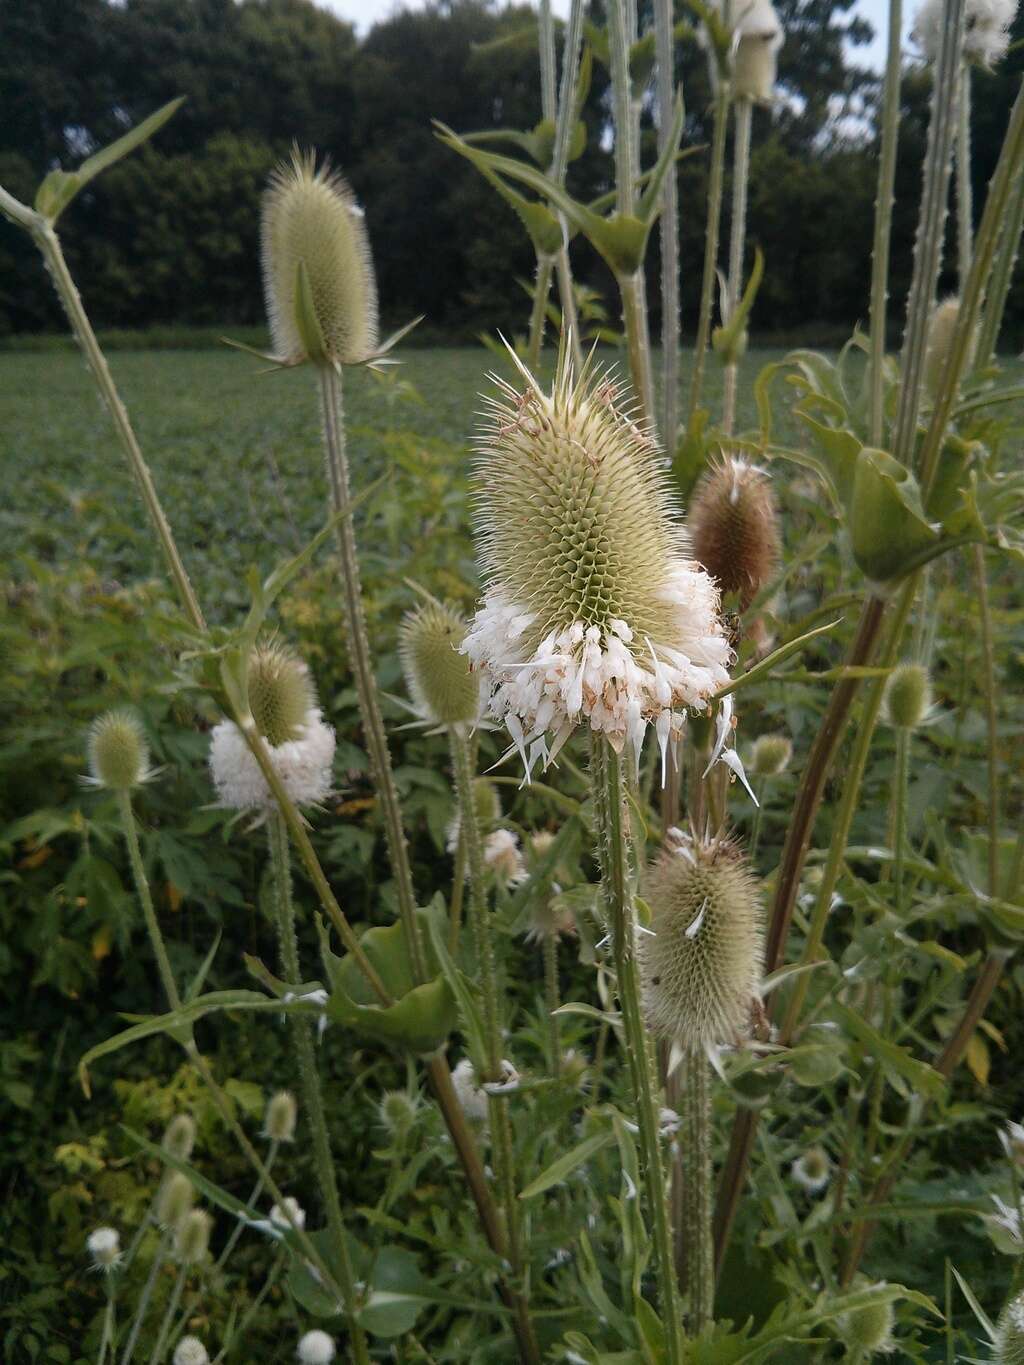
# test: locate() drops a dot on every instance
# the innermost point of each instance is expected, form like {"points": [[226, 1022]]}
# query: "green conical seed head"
{"points": [[908, 695], [1009, 1343], [318, 279], [397, 1112], [438, 677], [574, 514], [281, 693], [192, 1238], [771, 755], [179, 1137], [175, 1199], [117, 751], [702, 964], [279, 1120], [868, 1329], [942, 329], [734, 524]]}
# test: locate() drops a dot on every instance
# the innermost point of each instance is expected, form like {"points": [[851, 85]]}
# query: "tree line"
{"points": [[170, 234]]}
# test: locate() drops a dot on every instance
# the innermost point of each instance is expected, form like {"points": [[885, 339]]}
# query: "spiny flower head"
{"points": [[180, 1136], [770, 755], [281, 692], [191, 1351], [1009, 1342], [734, 524], [812, 1169], [104, 1246], [192, 1237], [316, 1348], [279, 1119], [942, 329], [594, 612], [118, 752], [868, 1331], [987, 26], [289, 1214], [701, 963], [437, 674], [908, 695], [318, 278], [397, 1112], [174, 1200]]}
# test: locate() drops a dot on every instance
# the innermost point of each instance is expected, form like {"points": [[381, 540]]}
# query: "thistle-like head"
{"points": [[908, 695], [174, 1200], [1009, 1342], [281, 692], [192, 1237], [868, 1331], [734, 523], [318, 278], [594, 610], [279, 1119], [812, 1169], [191, 1351], [442, 685], [942, 330], [987, 26], [179, 1137], [770, 755], [701, 964], [104, 1246], [117, 751], [397, 1111]]}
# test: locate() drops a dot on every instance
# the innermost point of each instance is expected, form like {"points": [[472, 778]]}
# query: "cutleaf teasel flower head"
{"points": [[104, 1246], [318, 277], [594, 613], [117, 752], [735, 527], [443, 688], [701, 963], [191, 1351], [1009, 1342], [867, 1331], [283, 703]]}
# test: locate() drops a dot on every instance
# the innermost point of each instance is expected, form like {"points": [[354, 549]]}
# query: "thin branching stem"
{"points": [[716, 185], [884, 199], [743, 111], [668, 228]]}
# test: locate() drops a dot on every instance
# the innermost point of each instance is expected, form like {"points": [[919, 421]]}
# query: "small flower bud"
{"points": [[397, 1112], [1009, 1342], [812, 1169], [279, 1120], [281, 693], [316, 1348], [758, 37], [179, 1137], [734, 525], [290, 1214], [175, 1199], [104, 1246], [192, 1237], [771, 755], [190, 1351], [942, 327], [701, 964], [118, 753], [867, 1331], [440, 681], [318, 278], [908, 695]]}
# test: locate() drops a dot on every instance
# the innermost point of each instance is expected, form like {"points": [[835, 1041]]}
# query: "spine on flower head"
{"points": [[1009, 1342], [734, 523], [594, 613], [437, 674], [179, 1137], [701, 964], [318, 277]]}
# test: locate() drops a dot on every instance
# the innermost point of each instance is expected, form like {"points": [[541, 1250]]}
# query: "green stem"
{"points": [[742, 120], [144, 1298], [277, 838], [638, 342], [884, 199], [109, 1337], [272, 1277], [362, 667], [1002, 275], [541, 290], [716, 185], [755, 833], [696, 1192], [621, 919], [546, 36], [563, 135], [131, 838], [964, 194], [458, 894], [254, 1195], [669, 230], [991, 717], [172, 1312], [552, 1000], [49, 244], [899, 823]]}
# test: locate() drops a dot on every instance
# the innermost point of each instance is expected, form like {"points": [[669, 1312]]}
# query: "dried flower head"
{"points": [[488, 811], [279, 1119], [594, 612], [771, 755], [191, 1351], [908, 696], [289, 1214], [812, 1169], [437, 674], [397, 1112], [117, 751], [192, 1237], [504, 857], [986, 30], [757, 37], [1009, 1342], [734, 524], [283, 702], [104, 1246], [316, 1348], [868, 1331], [180, 1137], [318, 278], [701, 964], [174, 1200]]}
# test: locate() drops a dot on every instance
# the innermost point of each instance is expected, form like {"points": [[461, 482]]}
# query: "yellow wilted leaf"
{"points": [[101, 943], [356, 805], [994, 1034], [37, 858], [978, 1058], [173, 897]]}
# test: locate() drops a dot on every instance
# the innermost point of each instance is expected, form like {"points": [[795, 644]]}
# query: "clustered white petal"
{"points": [[812, 1170], [471, 1097], [503, 856], [615, 683], [191, 1351], [104, 1246], [316, 1348], [987, 26], [303, 765], [290, 1214]]}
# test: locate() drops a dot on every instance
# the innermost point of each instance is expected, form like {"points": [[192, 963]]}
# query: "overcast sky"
{"points": [[363, 13]]}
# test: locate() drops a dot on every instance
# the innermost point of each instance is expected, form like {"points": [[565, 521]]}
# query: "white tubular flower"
{"points": [[104, 1246], [316, 1348], [191, 1351], [594, 611], [812, 1170], [987, 26], [469, 1093], [290, 1214], [503, 856]]}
